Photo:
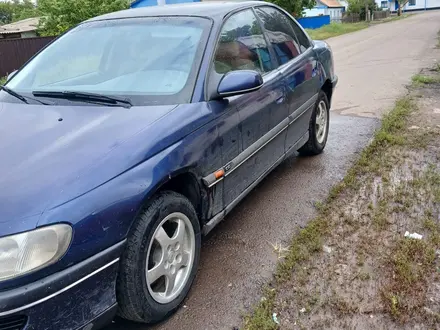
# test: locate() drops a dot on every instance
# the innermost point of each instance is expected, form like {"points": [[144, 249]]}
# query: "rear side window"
{"points": [[241, 45], [303, 40], [280, 33]]}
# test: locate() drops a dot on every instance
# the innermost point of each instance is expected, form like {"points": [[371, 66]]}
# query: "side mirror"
{"points": [[239, 82], [11, 75]]}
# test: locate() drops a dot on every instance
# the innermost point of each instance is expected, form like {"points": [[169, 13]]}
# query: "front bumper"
{"points": [[80, 297], [334, 81]]}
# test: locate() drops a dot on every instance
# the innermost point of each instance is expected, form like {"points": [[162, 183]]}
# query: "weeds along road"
{"points": [[238, 257]]}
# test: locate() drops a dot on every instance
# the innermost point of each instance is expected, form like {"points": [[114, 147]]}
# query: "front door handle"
{"points": [[281, 99]]}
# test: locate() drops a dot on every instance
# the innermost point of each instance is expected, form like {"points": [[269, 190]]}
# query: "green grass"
{"points": [[411, 264], [372, 158], [2, 80], [335, 29], [261, 319], [394, 18], [420, 79]]}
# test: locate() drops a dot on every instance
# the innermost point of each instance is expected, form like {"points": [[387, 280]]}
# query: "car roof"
{"points": [[211, 9]]}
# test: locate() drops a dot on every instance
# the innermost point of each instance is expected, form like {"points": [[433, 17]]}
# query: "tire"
{"points": [[316, 143], [139, 298]]}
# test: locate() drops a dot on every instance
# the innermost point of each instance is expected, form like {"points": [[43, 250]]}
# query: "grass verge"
{"points": [[308, 242], [411, 265], [2, 80], [335, 29], [393, 18], [412, 261], [420, 79]]}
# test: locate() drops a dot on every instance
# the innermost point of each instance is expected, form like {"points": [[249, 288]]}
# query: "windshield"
{"points": [[148, 60]]}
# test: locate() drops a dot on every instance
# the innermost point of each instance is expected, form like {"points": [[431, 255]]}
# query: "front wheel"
{"points": [[160, 260], [318, 127]]}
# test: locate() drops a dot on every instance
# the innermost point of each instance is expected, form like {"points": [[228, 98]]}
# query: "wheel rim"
{"points": [[170, 257], [321, 122]]}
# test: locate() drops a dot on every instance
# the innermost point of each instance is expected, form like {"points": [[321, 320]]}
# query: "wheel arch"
{"points": [[186, 183], [327, 88]]}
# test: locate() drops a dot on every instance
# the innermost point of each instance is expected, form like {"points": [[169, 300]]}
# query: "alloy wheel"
{"points": [[321, 121], [170, 257]]}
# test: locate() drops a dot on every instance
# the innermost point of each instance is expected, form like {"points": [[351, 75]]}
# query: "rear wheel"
{"points": [[160, 260], [318, 127]]}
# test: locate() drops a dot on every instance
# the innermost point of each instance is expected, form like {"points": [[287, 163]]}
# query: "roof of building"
{"points": [[331, 3], [26, 25], [205, 9]]}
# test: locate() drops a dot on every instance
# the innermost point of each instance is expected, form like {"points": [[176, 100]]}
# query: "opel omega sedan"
{"points": [[131, 136]]}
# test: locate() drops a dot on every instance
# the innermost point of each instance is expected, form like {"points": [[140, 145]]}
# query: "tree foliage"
{"points": [[57, 16], [358, 7], [295, 7], [16, 10]]}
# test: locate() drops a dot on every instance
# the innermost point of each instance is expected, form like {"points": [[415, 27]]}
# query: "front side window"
{"points": [[242, 46], [149, 60], [304, 42], [280, 34]]}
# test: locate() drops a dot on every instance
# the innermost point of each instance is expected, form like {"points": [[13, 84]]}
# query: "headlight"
{"points": [[26, 252]]}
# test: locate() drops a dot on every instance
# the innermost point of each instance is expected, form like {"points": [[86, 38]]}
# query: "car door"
{"points": [[297, 63], [262, 113]]}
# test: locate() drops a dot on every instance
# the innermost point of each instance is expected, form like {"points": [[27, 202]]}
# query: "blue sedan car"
{"points": [[131, 136]]}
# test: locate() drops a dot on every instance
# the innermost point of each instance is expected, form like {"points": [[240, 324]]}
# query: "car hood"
{"points": [[52, 154]]}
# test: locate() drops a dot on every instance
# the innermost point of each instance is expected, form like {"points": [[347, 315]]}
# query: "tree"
{"points": [[361, 7], [402, 4], [354, 7], [295, 7], [6, 13], [57, 16], [16, 10], [24, 9]]}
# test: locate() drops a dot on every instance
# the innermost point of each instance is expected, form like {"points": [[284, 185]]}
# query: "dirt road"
{"points": [[373, 65]]}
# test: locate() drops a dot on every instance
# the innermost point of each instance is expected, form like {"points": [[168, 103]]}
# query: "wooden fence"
{"points": [[16, 52], [351, 18], [381, 14]]}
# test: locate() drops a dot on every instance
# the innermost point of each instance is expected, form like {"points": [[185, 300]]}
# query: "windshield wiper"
{"points": [[14, 94], [71, 95], [21, 97]]}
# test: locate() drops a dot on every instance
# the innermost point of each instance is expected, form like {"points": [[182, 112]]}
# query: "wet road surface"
{"points": [[238, 257]]}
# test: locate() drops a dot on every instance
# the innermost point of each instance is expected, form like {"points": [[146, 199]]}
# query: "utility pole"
{"points": [[366, 11]]}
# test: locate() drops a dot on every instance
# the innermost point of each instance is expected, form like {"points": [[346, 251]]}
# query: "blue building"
{"points": [[146, 3]]}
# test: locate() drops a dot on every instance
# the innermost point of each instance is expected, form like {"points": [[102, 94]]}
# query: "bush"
{"points": [[358, 7]]}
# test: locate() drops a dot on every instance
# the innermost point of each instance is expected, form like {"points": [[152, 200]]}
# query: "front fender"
{"points": [[325, 56], [103, 216]]}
